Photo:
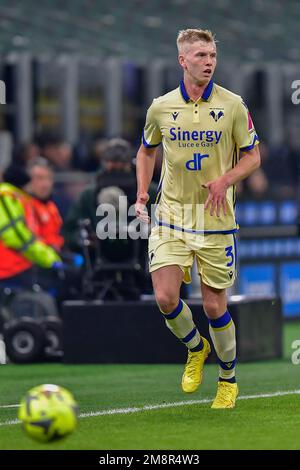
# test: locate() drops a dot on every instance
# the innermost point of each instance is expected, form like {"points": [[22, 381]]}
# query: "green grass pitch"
{"points": [[271, 422]]}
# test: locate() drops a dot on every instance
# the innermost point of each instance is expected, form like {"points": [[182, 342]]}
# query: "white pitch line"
{"points": [[180, 403], [9, 406], [115, 411]]}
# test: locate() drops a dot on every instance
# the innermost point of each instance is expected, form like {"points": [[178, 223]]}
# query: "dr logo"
{"points": [[195, 163]]}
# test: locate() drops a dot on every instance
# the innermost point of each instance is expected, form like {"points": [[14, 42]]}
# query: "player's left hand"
{"points": [[216, 199]]}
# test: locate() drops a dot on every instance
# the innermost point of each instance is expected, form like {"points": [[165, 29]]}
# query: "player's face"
{"points": [[199, 61]]}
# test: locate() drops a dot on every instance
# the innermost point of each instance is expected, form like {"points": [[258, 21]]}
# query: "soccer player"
{"points": [[209, 144]]}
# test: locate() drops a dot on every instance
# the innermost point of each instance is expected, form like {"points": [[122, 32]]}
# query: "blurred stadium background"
{"points": [[82, 71], [78, 73]]}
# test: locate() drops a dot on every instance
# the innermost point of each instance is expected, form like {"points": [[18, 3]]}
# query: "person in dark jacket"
{"points": [[115, 179], [117, 172]]}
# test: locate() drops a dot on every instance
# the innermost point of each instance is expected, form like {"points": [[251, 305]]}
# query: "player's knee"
{"points": [[212, 308], [166, 301]]}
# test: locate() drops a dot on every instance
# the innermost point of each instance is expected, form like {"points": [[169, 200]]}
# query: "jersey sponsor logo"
{"points": [[177, 133], [216, 115], [195, 163], [175, 115]]}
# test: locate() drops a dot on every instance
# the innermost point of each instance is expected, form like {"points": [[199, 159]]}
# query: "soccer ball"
{"points": [[48, 413]]}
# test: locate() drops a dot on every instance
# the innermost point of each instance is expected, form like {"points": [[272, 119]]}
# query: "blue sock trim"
{"points": [[227, 365], [231, 381], [189, 336], [175, 313], [199, 347], [221, 321]]}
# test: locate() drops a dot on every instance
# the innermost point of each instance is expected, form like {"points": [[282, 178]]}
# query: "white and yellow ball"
{"points": [[48, 413]]}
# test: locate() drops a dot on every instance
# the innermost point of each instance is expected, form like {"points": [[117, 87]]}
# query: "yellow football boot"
{"points": [[226, 395], [193, 372]]}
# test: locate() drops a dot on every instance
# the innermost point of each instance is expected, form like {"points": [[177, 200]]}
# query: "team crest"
{"points": [[216, 115]]}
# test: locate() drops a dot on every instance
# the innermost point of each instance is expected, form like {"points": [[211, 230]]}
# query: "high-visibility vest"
{"points": [[48, 223], [20, 247]]}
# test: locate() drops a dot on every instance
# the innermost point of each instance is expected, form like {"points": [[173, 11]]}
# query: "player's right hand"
{"points": [[216, 199], [141, 209]]}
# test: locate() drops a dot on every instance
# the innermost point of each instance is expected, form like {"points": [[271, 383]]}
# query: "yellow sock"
{"points": [[181, 323], [222, 333]]}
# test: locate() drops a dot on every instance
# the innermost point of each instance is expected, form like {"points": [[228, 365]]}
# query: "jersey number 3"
{"points": [[229, 254]]}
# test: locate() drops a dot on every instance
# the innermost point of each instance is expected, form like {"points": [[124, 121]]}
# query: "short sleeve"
{"points": [[243, 128], [152, 136]]}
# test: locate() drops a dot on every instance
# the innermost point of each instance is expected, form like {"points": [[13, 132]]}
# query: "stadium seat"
{"points": [[100, 28]]}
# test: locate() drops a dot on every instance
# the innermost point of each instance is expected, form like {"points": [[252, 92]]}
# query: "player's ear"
{"points": [[181, 61]]}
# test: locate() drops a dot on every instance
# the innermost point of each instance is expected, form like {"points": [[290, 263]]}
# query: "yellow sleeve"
{"points": [[152, 136], [243, 128]]}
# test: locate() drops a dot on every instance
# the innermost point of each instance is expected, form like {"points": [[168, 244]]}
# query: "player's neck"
{"points": [[194, 89]]}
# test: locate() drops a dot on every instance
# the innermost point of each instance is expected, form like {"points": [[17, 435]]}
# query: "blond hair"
{"points": [[189, 36]]}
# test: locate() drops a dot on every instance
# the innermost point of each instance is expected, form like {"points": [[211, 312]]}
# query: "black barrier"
{"points": [[134, 332]]}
